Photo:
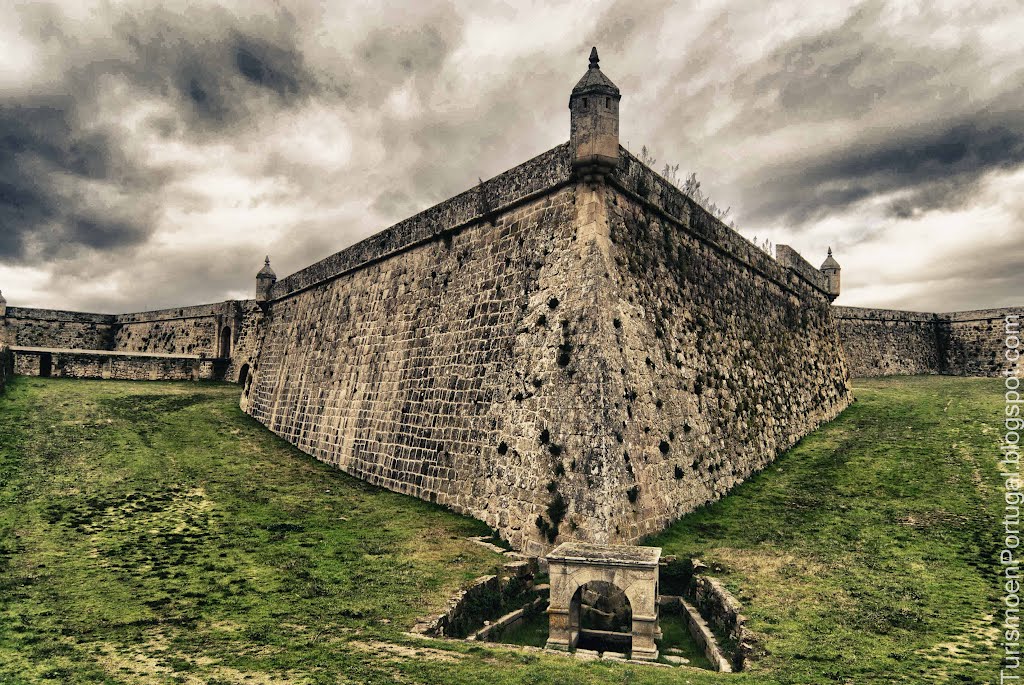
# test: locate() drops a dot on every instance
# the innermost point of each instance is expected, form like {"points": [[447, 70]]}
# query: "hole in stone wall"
{"points": [[502, 448], [679, 472], [545, 436], [553, 302]]}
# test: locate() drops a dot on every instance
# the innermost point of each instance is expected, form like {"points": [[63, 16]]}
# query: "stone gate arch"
{"points": [[634, 570]]}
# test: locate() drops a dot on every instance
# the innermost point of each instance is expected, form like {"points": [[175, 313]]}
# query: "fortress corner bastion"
{"points": [[573, 349]]}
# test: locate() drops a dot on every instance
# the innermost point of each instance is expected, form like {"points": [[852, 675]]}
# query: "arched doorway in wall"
{"points": [[225, 342], [45, 364], [243, 377], [605, 617]]}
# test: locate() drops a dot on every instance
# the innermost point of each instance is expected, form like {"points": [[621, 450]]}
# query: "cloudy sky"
{"points": [[151, 157]]}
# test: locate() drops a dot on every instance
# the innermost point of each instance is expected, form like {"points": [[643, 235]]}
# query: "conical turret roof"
{"points": [[594, 81], [829, 262], [266, 270]]}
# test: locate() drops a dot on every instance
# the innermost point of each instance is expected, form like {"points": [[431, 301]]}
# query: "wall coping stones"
{"points": [[587, 554], [642, 184], [62, 315], [870, 314], [793, 260]]}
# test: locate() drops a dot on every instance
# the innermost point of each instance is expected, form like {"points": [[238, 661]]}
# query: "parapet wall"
{"points": [[211, 331], [558, 360], [57, 328], [885, 342], [58, 363]]}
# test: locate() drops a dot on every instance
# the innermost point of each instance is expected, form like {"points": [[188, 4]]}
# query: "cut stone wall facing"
{"points": [[138, 367], [433, 373], [6, 366], [584, 363], [881, 342], [973, 343], [211, 331], [885, 342], [718, 357], [55, 328]]}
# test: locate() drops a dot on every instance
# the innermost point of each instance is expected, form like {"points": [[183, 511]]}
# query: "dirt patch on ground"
{"points": [[405, 651], [977, 641]]}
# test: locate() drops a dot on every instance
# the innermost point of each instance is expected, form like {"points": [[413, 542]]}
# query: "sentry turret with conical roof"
{"points": [[265, 280], [830, 267], [594, 122]]}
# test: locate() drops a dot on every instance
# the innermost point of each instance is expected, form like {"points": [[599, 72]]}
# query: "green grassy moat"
{"points": [[152, 533]]}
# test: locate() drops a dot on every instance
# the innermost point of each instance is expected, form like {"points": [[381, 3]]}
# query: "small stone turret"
{"points": [[265, 280], [594, 122], [831, 269], [3, 306]]}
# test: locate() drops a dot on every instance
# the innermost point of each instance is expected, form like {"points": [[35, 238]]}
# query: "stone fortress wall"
{"points": [[573, 349], [214, 331], [558, 360], [884, 342]]}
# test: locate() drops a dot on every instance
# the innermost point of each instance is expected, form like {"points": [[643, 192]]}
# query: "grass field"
{"points": [[152, 533]]}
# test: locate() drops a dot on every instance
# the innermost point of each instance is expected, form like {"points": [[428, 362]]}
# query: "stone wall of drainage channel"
{"points": [[490, 603], [714, 616]]}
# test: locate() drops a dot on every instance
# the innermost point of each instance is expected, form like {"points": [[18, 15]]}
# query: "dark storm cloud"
{"points": [[44, 157], [159, 152], [60, 148], [867, 106], [936, 169]]}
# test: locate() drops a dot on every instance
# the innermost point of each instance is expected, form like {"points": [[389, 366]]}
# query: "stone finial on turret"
{"points": [[265, 280], [831, 269], [594, 122]]}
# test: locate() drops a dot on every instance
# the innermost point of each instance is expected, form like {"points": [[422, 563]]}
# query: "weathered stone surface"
{"points": [[6, 366], [581, 364], [225, 330], [627, 576], [136, 366], [885, 342]]}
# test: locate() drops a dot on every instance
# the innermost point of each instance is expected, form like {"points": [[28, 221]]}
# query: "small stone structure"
{"points": [[634, 570]]}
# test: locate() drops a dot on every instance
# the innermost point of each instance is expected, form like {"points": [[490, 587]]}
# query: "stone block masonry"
{"points": [[885, 342], [571, 362], [55, 328], [138, 366], [224, 331]]}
